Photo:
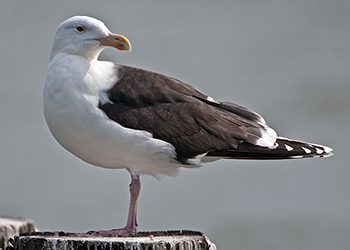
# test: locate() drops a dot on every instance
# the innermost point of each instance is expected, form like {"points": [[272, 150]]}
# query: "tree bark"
{"points": [[169, 240], [11, 227]]}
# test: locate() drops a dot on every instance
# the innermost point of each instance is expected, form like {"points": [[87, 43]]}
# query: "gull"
{"points": [[120, 117]]}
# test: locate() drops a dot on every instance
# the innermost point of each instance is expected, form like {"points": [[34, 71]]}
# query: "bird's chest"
{"points": [[73, 87], [72, 115], [71, 100]]}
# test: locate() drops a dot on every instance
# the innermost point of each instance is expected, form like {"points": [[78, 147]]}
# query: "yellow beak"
{"points": [[116, 41]]}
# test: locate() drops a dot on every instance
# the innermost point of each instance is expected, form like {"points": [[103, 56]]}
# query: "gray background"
{"points": [[288, 60]]}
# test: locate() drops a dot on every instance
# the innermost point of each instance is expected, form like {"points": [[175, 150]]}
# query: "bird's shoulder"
{"points": [[139, 88]]}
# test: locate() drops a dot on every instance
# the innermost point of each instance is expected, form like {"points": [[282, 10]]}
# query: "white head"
{"points": [[86, 36]]}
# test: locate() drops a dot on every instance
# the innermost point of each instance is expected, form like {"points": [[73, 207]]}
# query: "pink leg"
{"points": [[131, 224], [135, 187]]}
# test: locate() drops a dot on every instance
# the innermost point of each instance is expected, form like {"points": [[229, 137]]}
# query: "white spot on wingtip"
{"points": [[308, 151], [289, 148], [327, 149], [210, 99], [319, 151], [327, 155]]}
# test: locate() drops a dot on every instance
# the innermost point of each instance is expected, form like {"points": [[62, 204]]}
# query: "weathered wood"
{"points": [[170, 240], [11, 227]]}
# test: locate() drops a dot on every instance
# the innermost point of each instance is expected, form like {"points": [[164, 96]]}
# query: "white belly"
{"points": [[73, 117]]}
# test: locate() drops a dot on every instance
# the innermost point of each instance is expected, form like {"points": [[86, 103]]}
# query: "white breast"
{"points": [[71, 95]]}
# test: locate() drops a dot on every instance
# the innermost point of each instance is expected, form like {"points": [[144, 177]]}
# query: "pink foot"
{"points": [[121, 232], [131, 225]]}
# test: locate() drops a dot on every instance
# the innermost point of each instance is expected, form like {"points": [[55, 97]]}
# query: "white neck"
{"points": [[88, 50]]}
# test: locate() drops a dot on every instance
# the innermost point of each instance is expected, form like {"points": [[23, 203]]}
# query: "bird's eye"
{"points": [[79, 29]]}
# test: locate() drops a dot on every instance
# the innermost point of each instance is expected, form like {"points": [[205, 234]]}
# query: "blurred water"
{"points": [[288, 60]]}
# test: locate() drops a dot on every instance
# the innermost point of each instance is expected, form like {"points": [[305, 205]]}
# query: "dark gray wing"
{"points": [[177, 113]]}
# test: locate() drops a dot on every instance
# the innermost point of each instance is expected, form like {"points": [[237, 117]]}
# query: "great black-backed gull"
{"points": [[120, 117]]}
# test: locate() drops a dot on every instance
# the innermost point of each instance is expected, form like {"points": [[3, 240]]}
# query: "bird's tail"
{"points": [[284, 148]]}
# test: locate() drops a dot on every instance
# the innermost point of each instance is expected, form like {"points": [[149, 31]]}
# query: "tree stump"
{"points": [[169, 240], [11, 227]]}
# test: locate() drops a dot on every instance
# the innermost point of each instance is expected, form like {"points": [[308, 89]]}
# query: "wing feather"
{"points": [[179, 114]]}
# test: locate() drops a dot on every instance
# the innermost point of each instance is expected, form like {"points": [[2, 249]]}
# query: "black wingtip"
{"points": [[284, 149], [300, 149]]}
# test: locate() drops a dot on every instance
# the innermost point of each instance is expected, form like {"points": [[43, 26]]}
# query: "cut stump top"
{"points": [[159, 240]]}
